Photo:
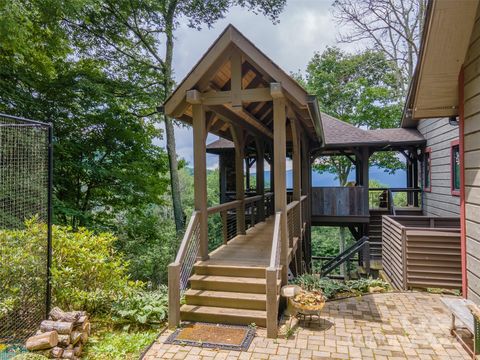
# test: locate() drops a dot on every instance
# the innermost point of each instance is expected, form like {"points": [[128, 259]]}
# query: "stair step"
{"points": [[226, 299], [229, 283], [222, 315], [225, 270]]}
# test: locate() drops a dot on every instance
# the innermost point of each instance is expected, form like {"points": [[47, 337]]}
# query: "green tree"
{"points": [[359, 89], [139, 34], [106, 160]]}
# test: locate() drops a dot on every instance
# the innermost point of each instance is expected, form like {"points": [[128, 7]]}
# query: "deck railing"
{"points": [[222, 227], [391, 199], [271, 275], [179, 271]]}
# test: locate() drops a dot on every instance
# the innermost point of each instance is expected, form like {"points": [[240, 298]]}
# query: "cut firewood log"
{"points": [[42, 341], [68, 354], [58, 314], [77, 350], [63, 340], [75, 337], [85, 332], [61, 327], [56, 352], [81, 320]]}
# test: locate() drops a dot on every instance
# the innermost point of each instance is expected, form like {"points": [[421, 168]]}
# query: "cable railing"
{"points": [[222, 226]]}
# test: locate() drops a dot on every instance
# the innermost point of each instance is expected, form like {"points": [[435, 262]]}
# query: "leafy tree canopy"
{"points": [[360, 89]]}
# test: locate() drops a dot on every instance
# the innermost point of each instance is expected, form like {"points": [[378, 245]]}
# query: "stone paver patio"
{"points": [[409, 325]]}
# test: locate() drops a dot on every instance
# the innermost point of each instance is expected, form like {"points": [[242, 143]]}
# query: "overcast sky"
{"points": [[306, 26]]}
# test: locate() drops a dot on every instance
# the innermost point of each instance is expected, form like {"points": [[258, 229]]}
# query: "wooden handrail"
{"points": [[292, 205], [274, 255], [303, 198], [186, 237], [222, 207], [251, 199]]}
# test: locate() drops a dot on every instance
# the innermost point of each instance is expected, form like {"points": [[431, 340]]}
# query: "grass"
{"points": [[108, 342]]}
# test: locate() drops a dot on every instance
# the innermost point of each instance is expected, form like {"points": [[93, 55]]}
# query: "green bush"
{"points": [[86, 271], [143, 307], [29, 356], [332, 288]]}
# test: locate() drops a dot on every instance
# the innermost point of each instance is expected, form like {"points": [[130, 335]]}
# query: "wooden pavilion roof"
{"points": [[339, 136], [212, 75]]}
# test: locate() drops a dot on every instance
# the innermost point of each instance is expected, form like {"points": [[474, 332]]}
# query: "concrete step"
{"points": [[226, 299], [211, 314], [225, 270], [229, 283]]}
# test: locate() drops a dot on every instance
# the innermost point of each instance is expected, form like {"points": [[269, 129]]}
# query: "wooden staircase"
{"points": [[226, 294], [375, 233]]}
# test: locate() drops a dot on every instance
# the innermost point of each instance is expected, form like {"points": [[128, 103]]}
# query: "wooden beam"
{"points": [[238, 139], [194, 97], [260, 175], [276, 91], [200, 175], [252, 120], [234, 118], [236, 79], [279, 144], [246, 95]]}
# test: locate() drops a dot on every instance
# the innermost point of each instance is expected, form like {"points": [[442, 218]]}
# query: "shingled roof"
{"points": [[337, 134]]}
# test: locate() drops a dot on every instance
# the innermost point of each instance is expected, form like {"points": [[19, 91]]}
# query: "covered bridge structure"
{"points": [[235, 256]]}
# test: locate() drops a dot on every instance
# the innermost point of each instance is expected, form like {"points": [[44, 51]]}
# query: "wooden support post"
{"points": [[260, 177], [247, 173], [200, 174], [173, 295], [238, 139], [306, 187], [416, 184], [365, 157], [272, 303], [280, 153], [409, 174], [236, 79], [297, 189]]}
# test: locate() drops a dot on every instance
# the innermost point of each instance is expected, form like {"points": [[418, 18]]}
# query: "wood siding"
{"points": [[423, 252], [439, 135], [339, 201], [472, 162]]}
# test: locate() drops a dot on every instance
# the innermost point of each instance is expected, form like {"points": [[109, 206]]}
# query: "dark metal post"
{"points": [[49, 218]]}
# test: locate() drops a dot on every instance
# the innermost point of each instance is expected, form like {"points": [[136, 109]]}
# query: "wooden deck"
{"points": [[250, 250]]}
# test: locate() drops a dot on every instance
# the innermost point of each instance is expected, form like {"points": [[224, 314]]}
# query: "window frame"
{"points": [[428, 151], [454, 144]]}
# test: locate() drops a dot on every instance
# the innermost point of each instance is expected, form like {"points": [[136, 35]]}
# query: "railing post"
{"points": [[366, 256], [173, 295], [272, 303], [224, 215]]}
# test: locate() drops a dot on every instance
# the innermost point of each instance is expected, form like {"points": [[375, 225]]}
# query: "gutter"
{"points": [[314, 111]]}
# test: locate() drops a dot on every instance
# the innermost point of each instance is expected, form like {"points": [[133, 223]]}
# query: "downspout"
{"points": [[461, 135]]}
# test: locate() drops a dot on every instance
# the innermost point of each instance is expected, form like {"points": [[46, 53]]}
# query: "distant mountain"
{"points": [[398, 180]]}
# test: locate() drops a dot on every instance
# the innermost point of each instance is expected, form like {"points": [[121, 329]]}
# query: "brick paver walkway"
{"points": [[381, 326]]}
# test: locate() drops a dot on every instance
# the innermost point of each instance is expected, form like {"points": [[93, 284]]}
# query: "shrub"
{"points": [[143, 307], [29, 356], [86, 272], [331, 288]]}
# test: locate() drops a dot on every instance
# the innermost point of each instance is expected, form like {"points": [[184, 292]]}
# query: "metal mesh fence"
{"points": [[25, 229]]}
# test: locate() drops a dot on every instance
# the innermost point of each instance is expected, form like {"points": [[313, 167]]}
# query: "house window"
{"points": [[427, 170], [455, 167]]}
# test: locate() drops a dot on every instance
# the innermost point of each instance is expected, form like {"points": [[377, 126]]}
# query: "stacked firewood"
{"points": [[62, 336]]}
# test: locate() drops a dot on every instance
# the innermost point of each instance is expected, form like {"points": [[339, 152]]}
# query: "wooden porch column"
{"points": [[247, 173], [306, 188], [200, 174], [297, 188], [238, 139], [260, 177], [364, 173], [280, 153], [415, 180]]}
